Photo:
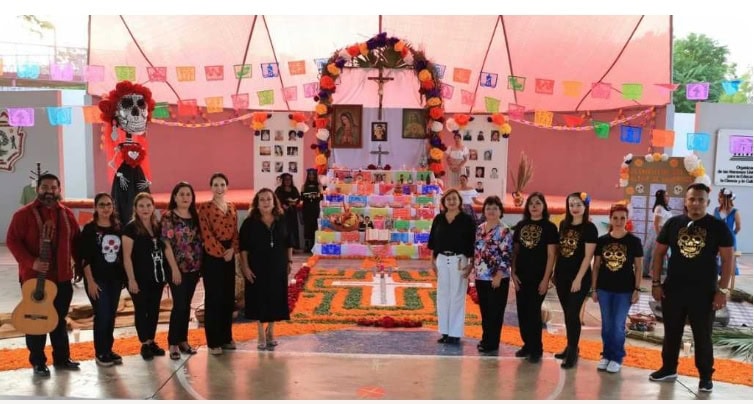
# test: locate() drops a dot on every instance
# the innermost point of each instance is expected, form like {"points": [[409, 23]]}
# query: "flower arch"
{"points": [[386, 52]]}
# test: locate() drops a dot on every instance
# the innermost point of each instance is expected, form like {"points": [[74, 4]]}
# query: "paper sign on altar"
{"points": [[396, 237], [332, 210], [331, 249], [324, 223], [431, 188], [424, 251], [402, 213], [357, 200], [364, 188], [386, 189], [354, 250], [379, 211], [405, 250], [326, 236], [378, 222], [422, 238], [423, 200], [334, 198], [423, 225], [401, 200], [379, 201], [402, 224], [344, 188], [358, 211], [349, 237]]}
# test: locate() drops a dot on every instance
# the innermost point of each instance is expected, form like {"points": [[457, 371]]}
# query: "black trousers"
{"points": [[105, 307], [571, 303], [147, 310], [677, 306], [529, 308], [492, 307], [219, 300], [59, 336], [181, 312]]}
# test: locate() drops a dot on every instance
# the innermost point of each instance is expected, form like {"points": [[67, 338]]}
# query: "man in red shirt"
{"points": [[24, 242]]}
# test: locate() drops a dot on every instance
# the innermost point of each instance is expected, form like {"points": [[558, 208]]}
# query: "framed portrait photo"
{"points": [[379, 131], [346, 127], [414, 124]]}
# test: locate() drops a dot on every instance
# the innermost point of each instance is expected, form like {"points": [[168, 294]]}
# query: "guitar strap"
{"points": [[54, 242]]}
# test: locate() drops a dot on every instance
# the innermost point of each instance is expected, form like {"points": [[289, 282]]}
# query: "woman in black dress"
{"points": [[288, 196], [311, 193], [266, 258]]}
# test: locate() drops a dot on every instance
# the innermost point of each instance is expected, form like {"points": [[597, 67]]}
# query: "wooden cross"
{"points": [[379, 154], [380, 79]]}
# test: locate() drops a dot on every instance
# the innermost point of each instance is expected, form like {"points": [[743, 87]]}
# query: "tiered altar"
{"points": [[399, 206]]}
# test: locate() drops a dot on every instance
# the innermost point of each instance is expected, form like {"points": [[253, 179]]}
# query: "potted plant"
{"points": [[523, 176]]}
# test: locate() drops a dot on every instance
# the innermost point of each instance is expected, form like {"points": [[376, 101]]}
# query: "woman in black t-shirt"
{"points": [[618, 262], [147, 271], [578, 238], [535, 248], [103, 275]]}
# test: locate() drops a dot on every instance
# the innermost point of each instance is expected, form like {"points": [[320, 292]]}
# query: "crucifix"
{"points": [[379, 154], [380, 79]]}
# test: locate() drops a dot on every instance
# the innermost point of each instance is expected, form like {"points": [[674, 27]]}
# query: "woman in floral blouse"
{"points": [[492, 264], [184, 252]]}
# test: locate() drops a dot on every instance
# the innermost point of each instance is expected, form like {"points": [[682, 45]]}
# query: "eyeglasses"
{"points": [[104, 205]]}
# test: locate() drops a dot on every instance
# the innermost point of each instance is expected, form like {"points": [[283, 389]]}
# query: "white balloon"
{"points": [[436, 126], [648, 157], [690, 162], [665, 157], [451, 124], [704, 179], [302, 126]]}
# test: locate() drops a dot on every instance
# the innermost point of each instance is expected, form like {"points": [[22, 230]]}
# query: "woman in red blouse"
{"points": [[218, 221]]}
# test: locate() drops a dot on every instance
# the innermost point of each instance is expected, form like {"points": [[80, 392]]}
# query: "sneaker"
{"points": [[216, 351], [613, 367], [522, 353], [705, 385], [602, 365], [117, 359], [663, 375], [104, 360]]}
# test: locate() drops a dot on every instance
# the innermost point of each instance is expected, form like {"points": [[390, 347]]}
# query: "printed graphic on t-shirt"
{"points": [[691, 240], [569, 242], [110, 247], [614, 255], [530, 235]]}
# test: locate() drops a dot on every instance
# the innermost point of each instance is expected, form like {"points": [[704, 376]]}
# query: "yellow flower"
{"points": [[434, 101], [506, 129], [435, 154], [321, 109], [425, 75], [656, 156], [320, 160], [334, 70]]}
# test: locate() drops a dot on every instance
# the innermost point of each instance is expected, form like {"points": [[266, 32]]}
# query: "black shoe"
{"points": [[705, 385], [571, 358], [562, 355], [443, 339], [663, 375], [156, 350], [484, 349], [117, 359], [41, 370], [522, 353], [104, 360], [146, 352], [534, 358], [454, 340], [67, 364]]}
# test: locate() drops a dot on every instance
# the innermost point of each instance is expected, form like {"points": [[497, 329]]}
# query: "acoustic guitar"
{"points": [[36, 314]]}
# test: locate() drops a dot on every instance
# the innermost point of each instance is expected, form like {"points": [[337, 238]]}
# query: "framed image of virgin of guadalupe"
{"points": [[346, 127], [414, 124]]}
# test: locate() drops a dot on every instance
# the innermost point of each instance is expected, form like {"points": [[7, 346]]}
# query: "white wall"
{"points": [[683, 124], [42, 145], [709, 119], [77, 149]]}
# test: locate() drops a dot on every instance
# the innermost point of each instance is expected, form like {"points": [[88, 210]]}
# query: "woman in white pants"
{"points": [[452, 243]]}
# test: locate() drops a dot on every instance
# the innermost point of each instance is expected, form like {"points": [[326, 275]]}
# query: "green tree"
{"points": [[36, 25], [699, 58], [744, 94]]}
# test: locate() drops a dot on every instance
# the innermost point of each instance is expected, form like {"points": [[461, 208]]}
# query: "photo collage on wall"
{"points": [[278, 150], [488, 157]]}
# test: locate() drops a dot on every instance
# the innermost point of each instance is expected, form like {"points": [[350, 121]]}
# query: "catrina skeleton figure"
{"points": [[126, 110]]}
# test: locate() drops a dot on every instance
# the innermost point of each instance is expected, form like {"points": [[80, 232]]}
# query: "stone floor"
{"points": [[352, 364]]}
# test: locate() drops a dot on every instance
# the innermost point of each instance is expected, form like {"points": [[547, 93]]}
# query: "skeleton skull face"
{"points": [[132, 114], [691, 240], [110, 247], [530, 235], [614, 256], [677, 189], [569, 243], [639, 189]]}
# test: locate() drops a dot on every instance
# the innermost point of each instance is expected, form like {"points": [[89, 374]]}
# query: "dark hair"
{"points": [[568, 220], [541, 196], [660, 199], [254, 212], [444, 208], [47, 176], [140, 229], [493, 200], [464, 176], [114, 222], [698, 186], [457, 134], [218, 175], [192, 207]]}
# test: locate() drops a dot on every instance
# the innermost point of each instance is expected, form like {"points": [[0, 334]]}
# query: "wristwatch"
{"points": [[724, 291]]}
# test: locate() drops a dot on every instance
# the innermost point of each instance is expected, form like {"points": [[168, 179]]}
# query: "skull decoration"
{"points": [[678, 189], [530, 235], [615, 256], [569, 243], [691, 240], [110, 247], [132, 114], [639, 189]]}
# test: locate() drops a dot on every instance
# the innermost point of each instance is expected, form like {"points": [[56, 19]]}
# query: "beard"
{"points": [[48, 198]]}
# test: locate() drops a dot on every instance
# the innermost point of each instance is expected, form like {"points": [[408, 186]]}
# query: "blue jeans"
{"points": [[614, 309]]}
